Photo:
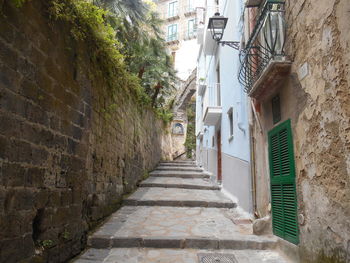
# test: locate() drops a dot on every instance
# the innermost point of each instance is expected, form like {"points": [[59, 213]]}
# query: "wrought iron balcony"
{"points": [[263, 61]]}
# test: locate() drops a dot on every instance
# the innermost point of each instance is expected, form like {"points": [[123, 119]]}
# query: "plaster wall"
{"points": [[223, 68], [236, 179]]}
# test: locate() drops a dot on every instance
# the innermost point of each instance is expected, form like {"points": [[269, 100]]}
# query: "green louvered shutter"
{"points": [[282, 173]]}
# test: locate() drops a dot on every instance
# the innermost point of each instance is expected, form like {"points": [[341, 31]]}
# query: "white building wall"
{"points": [[235, 150]]}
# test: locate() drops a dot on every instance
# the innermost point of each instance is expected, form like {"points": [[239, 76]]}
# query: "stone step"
{"points": [[177, 164], [178, 227], [151, 196], [180, 174], [146, 255], [174, 168], [185, 183], [248, 242]]}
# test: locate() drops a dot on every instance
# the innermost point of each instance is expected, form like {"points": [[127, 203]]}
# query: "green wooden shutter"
{"points": [[282, 174]]}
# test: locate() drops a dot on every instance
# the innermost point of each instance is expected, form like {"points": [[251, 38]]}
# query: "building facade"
{"points": [[295, 69], [221, 120], [180, 33]]}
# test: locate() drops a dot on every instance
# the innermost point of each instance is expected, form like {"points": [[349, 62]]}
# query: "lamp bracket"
{"points": [[233, 44]]}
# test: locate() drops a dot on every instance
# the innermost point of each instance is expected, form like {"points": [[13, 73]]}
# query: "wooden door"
{"points": [[219, 156]]}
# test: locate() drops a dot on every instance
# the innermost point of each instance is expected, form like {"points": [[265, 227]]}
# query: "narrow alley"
{"points": [[174, 131], [179, 216]]}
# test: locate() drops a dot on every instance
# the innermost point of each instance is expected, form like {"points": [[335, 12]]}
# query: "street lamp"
{"points": [[217, 25]]}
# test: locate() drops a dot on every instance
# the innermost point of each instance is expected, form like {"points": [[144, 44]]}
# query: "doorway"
{"points": [[219, 156]]}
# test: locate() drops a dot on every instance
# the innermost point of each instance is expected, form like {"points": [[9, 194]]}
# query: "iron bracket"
{"points": [[233, 44]]}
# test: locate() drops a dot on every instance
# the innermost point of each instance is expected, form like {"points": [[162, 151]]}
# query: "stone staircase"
{"points": [[179, 215]]}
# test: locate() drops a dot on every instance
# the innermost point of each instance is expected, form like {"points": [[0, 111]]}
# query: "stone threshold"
{"points": [[183, 186], [179, 203], [179, 175], [241, 243], [174, 168]]}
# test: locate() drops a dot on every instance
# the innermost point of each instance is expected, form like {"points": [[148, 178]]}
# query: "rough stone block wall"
{"points": [[65, 161], [318, 34]]}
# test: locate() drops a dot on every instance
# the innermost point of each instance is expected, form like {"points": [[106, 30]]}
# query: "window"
{"points": [[172, 9], [230, 118], [172, 32], [178, 128], [190, 6], [191, 28], [276, 109]]}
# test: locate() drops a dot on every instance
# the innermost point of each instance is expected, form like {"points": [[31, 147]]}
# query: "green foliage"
{"points": [[18, 3], [89, 27], [66, 235], [165, 114], [124, 44], [137, 28], [190, 142], [47, 243]]}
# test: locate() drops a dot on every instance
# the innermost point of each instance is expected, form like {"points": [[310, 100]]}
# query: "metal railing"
{"points": [[171, 14], [189, 9], [266, 43]]}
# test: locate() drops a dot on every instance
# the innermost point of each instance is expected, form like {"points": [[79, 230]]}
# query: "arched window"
{"points": [[178, 128]]}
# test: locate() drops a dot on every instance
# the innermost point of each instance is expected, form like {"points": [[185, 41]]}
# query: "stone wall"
{"points": [[68, 151], [319, 36]]}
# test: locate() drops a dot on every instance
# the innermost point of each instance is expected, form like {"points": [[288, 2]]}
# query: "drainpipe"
{"points": [[253, 171]]}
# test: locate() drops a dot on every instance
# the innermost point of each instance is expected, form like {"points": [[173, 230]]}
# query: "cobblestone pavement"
{"points": [[173, 224]]}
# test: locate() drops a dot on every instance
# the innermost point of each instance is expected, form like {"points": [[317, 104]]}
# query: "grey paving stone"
{"points": [[178, 197], [99, 241], [202, 243], [127, 242], [185, 183], [179, 168], [180, 174], [161, 242], [175, 220], [148, 255]]}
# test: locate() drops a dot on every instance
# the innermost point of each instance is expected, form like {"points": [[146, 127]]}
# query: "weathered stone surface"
{"points": [[189, 183], [137, 255], [147, 196], [262, 226], [179, 168], [180, 174], [179, 222], [64, 161], [318, 105]]}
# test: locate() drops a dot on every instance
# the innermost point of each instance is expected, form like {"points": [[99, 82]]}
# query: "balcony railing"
{"points": [[265, 45], [171, 15], [189, 10], [212, 105]]}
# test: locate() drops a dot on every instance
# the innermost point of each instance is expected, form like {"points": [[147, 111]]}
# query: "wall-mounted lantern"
{"points": [[217, 25]]}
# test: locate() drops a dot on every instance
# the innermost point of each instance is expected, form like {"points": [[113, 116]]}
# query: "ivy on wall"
{"points": [[190, 142]]}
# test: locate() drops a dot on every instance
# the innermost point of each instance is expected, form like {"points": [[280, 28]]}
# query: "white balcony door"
{"points": [[172, 32], [172, 9]]}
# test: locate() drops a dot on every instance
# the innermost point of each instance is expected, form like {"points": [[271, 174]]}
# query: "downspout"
{"points": [[253, 172]]}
